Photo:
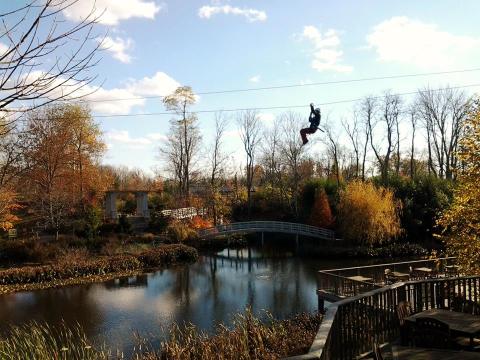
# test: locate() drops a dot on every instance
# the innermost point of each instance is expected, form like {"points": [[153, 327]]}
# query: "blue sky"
{"points": [[154, 45]]}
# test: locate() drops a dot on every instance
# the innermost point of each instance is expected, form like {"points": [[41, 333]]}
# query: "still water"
{"points": [[204, 293]]}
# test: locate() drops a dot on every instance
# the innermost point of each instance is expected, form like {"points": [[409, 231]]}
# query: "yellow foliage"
{"points": [[368, 214], [7, 206], [460, 223]]}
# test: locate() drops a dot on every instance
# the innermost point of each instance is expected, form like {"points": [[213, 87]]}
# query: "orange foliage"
{"points": [[199, 223], [321, 214], [7, 207]]}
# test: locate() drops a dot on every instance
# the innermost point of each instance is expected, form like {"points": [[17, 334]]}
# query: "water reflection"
{"points": [[204, 293]]}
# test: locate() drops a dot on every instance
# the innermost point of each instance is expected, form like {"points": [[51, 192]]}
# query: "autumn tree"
{"points": [[184, 139], [321, 214], [8, 205], [12, 166], [460, 224], [61, 162], [368, 214]]}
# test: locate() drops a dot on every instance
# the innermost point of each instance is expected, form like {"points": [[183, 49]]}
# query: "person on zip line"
{"points": [[314, 118]]}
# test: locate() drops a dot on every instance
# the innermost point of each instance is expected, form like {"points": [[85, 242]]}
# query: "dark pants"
{"points": [[304, 132]]}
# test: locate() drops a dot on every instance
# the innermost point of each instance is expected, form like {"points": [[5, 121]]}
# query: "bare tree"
{"points": [[218, 161], [184, 139], [292, 151], [443, 113], [413, 114], [333, 149], [390, 111], [368, 110], [249, 126], [352, 131], [33, 35], [270, 158]]}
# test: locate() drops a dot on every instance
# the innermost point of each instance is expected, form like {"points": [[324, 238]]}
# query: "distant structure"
{"points": [[141, 196]]}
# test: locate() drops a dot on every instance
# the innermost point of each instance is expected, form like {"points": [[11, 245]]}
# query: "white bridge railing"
{"points": [[269, 226]]}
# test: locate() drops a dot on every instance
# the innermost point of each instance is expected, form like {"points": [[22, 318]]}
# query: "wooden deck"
{"points": [[350, 325]]}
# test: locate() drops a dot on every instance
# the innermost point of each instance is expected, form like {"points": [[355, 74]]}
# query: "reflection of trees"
{"points": [[72, 304], [212, 289]]}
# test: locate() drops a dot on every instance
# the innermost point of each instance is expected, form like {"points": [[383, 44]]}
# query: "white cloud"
{"points": [[407, 41], [123, 137], [327, 55], [119, 100], [252, 15], [159, 84], [157, 137], [118, 47], [113, 101], [254, 79], [113, 11]]}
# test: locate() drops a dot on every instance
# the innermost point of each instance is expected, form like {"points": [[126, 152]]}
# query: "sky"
{"points": [[153, 46]]}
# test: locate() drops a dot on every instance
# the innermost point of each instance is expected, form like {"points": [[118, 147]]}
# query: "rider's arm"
{"points": [[312, 110]]}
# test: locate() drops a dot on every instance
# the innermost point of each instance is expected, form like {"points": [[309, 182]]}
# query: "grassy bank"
{"points": [[77, 268], [248, 339]]}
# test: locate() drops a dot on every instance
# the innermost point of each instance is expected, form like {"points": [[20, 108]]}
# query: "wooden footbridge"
{"points": [[268, 226]]}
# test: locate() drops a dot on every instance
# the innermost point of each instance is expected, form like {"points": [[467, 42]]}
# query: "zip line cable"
{"points": [[281, 107], [297, 85], [286, 107]]}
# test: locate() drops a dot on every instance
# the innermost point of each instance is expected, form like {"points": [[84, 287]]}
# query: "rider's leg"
{"points": [[306, 131]]}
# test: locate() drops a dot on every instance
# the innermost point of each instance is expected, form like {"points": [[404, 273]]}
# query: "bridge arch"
{"points": [[268, 226]]}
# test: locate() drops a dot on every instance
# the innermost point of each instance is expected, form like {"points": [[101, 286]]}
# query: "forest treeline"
{"points": [[388, 170]]}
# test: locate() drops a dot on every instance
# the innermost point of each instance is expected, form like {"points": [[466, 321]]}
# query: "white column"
{"points": [[111, 205], [142, 204]]}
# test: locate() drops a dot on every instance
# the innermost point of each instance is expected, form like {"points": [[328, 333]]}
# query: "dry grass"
{"points": [[249, 339], [40, 342]]}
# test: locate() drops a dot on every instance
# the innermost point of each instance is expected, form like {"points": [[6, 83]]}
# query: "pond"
{"points": [[205, 293]]}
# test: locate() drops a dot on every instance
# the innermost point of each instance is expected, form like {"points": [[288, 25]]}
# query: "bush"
{"points": [[80, 265], [321, 215], [29, 250], [393, 250], [367, 214], [180, 232], [168, 254], [158, 222]]}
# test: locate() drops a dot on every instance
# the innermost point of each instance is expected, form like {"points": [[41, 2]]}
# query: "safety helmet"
{"points": [[317, 110]]}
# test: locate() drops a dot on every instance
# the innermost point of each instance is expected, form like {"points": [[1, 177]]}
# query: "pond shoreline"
{"points": [[78, 272]]}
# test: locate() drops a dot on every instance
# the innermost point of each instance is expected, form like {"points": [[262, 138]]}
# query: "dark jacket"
{"points": [[314, 117]]}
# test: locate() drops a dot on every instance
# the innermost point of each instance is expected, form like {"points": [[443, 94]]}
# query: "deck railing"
{"points": [[269, 226], [349, 326], [338, 282]]}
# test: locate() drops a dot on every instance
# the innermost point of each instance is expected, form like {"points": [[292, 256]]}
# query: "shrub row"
{"points": [[393, 250], [160, 256]]}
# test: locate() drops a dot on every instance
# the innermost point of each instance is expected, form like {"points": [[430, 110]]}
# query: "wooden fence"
{"points": [[349, 326]]}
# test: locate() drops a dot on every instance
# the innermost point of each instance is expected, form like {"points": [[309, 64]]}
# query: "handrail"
{"points": [[387, 264], [269, 226], [374, 311]]}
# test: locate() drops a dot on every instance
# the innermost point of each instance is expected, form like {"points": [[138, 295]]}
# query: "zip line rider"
{"points": [[314, 119]]}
